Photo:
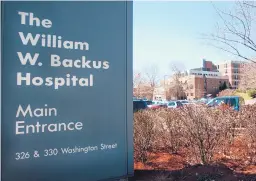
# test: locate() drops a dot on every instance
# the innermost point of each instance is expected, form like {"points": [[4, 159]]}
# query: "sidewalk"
{"points": [[250, 102]]}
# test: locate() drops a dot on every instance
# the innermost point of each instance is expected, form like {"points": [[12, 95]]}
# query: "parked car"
{"points": [[203, 101], [174, 104], [184, 102], [156, 102], [149, 103], [163, 105], [230, 101], [154, 105], [188, 103], [139, 105]]}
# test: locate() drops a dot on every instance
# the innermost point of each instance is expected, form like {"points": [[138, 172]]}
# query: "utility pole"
{"points": [[205, 86]]}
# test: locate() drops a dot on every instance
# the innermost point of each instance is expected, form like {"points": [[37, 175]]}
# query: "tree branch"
{"points": [[250, 5], [237, 30], [236, 54]]}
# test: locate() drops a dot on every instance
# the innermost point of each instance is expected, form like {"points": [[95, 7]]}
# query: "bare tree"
{"points": [[236, 33], [138, 81], [173, 134], [177, 87], [199, 134], [143, 135], [248, 77], [152, 78], [205, 130]]}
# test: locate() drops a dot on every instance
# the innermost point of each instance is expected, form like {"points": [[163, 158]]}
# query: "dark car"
{"points": [[139, 105], [149, 103]]}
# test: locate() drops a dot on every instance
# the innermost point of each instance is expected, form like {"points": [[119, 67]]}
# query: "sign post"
{"points": [[66, 83]]}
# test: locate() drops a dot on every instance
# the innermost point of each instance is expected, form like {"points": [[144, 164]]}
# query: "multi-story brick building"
{"points": [[232, 69], [203, 81], [198, 86], [199, 82], [207, 79], [208, 66]]}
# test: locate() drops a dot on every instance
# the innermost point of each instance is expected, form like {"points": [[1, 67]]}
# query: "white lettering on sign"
{"points": [[55, 82], [78, 63], [108, 147], [26, 78], [32, 20], [69, 150], [50, 152], [37, 112], [23, 128], [51, 41], [27, 58]]}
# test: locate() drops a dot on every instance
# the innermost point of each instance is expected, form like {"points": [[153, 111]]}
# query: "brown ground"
{"points": [[173, 167]]}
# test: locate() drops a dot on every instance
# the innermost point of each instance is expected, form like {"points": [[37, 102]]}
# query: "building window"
{"points": [[191, 94], [235, 65]]}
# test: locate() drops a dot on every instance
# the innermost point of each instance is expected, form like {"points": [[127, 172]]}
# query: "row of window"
{"points": [[235, 83], [236, 77], [191, 94], [214, 75], [235, 71], [234, 65]]}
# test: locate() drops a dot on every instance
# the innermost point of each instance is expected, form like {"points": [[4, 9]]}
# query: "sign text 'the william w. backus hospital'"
{"points": [[66, 91]]}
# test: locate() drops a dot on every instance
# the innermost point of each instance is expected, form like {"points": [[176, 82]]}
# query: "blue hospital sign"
{"points": [[66, 103]]}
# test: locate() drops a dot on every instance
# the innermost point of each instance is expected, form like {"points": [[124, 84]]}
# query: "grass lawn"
{"points": [[244, 95]]}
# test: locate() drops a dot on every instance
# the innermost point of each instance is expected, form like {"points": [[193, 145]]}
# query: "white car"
{"points": [[174, 104], [184, 102]]}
